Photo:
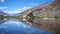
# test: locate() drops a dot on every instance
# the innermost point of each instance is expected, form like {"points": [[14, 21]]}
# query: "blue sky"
{"points": [[16, 6]]}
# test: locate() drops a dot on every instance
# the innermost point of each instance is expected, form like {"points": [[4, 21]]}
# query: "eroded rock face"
{"points": [[48, 9]]}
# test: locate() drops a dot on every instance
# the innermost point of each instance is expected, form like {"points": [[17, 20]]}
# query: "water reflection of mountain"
{"points": [[14, 26], [2, 14]]}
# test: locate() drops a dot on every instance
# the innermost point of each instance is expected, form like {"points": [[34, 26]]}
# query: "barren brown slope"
{"points": [[48, 9]]}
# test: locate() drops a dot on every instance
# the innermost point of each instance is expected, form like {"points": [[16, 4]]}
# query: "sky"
{"points": [[18, 6]]}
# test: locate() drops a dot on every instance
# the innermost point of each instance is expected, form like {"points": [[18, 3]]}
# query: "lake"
{"points": [[15, 26]]}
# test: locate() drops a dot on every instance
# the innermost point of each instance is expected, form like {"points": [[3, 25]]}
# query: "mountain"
{"points": [[14, 14], [47, 9], [3, 13]]}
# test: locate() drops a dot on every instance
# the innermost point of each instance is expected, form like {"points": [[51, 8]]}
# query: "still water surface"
{"points": [[15, 26]]}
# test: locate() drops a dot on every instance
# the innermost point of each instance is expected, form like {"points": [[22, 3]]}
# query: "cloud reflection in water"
{"points": [[14, 26]]}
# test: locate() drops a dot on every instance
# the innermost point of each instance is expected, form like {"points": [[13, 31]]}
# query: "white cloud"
{"points": [[18, 9], [2, 0], [33, 4], [24, 8], [13, 12], [5, 11], [3, 7]]}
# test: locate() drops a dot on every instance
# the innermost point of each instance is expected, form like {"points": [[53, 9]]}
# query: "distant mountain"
{"points": [[47, 9], [3, 13], [14, 14]]}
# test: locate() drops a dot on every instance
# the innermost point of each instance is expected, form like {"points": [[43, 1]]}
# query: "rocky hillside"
{"points": [[47, 9]]}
